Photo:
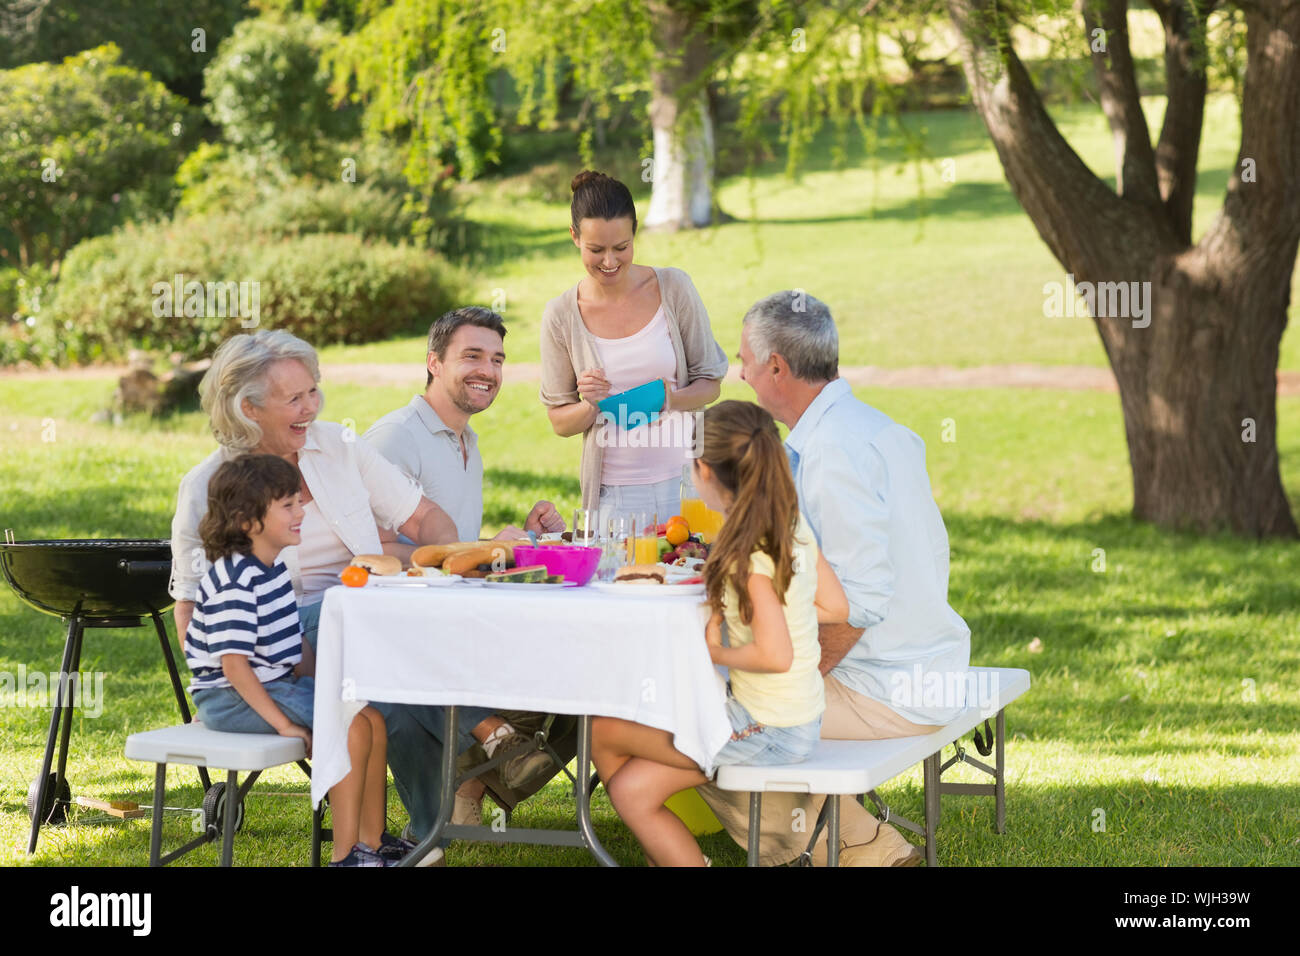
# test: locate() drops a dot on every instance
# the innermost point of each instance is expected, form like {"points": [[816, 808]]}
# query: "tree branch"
{"points": [[1260, 219], [1135, 167], [1185, 87], [1077, 214]]}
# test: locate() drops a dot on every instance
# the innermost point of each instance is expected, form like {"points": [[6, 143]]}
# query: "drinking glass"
{"points": [[643, 546], [615, 547], [586, 526]]}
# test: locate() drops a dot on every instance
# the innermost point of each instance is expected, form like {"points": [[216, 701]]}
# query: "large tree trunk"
{"points": [[681, 193], [1197, 372]]}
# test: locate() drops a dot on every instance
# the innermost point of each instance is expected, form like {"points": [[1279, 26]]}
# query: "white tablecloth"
{"points": [[563, 650]]}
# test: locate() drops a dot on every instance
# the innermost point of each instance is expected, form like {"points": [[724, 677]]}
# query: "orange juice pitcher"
{"points": [[699, 517]]}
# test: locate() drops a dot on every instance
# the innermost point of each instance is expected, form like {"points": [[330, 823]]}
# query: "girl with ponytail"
{"points": [[767, 579]]}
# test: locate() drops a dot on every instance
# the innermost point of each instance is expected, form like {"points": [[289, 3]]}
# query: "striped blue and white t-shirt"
{"points": [[243, 607]]}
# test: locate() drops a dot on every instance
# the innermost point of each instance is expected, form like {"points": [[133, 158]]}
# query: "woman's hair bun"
{"points": [[584, 177], [599, 196]]}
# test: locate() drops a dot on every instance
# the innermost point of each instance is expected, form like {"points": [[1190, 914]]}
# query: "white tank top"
{"points": [[653, 452]]}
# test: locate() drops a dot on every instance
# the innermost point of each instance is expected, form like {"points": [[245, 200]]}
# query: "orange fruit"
{"points": [[354, 577], [677, 533]]}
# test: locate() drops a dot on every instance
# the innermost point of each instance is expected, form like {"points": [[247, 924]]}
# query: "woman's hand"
{"points": [[593, 386]]}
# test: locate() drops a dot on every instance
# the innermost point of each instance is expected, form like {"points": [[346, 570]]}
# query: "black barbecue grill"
{"points": [[89, 583]]}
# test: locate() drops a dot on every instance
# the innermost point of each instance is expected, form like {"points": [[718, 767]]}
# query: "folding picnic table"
{"points": [[639, 655]]}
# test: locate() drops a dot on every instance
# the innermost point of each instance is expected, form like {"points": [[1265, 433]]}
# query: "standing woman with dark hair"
{"points": [[625, 325]]}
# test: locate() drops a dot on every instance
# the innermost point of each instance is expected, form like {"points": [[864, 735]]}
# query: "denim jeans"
{"points": [[757, 744], [663, 498], [222, 708], [415, 737]]}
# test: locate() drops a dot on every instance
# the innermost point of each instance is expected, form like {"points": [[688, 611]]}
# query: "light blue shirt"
{"points": [[865, 493]]}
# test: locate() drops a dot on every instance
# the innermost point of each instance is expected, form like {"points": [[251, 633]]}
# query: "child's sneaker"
{"points": [[360, 855], [392, 848]]}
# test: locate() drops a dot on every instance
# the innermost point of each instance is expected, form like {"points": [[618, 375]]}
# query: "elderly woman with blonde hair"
{"points": [[262, 394]]}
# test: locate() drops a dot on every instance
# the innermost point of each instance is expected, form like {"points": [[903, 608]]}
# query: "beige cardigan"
{"points": [[568, 348]]}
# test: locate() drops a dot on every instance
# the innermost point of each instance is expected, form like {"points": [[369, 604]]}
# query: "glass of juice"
{"points": [[643, 546]]}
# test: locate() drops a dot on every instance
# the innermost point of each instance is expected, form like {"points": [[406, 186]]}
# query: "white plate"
{"points": [[407, 581], [541, 586], [648, 590]]}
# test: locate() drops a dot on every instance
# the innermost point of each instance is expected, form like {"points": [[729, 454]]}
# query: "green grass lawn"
{"points": [[1165, 688], [950, 274]]}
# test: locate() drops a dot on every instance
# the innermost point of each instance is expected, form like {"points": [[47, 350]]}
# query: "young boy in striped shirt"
{"points": [[252, 670]]}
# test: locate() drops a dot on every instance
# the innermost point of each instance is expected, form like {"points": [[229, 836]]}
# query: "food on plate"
{"points": [[685, 554], [378, 563], [354, 576], [496, 554], [640, 574], [436, 555], [533, 574], [678, 532]]}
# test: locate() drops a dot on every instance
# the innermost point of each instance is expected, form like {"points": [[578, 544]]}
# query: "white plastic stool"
{"points": [[195, 744]]}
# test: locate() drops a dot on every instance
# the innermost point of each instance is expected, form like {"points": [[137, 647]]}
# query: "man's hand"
{"points": [[836, 641], [543, 518]]}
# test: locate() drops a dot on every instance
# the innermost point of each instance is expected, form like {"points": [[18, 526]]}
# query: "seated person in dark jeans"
{"points": [[431, 441]]}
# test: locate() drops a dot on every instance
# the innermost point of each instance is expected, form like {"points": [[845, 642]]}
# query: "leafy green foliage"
{"points": [[268, 91], [171, 43], [88, 143], [120, 291]]}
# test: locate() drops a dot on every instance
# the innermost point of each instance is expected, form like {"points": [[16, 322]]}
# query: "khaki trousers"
{"points": [[788, 818]]}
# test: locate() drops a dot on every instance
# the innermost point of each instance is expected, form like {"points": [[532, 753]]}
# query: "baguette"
{"points": [[432, 555], [490, 552]]}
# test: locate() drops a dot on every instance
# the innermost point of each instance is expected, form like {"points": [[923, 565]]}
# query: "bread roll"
{"points": [[640, 574], [381, 564]]}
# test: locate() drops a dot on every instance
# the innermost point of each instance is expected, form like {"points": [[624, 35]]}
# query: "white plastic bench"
{"points": [[857, 767], [195, 744]]}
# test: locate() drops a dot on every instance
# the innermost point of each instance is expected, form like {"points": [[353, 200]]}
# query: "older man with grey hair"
{"points": [[864, 491]]}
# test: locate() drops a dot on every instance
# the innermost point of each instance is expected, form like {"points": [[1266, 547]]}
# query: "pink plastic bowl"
{"points": [[575, 563]]}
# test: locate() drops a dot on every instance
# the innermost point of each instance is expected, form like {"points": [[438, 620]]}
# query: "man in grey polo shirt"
{"points": [[430, 440]]}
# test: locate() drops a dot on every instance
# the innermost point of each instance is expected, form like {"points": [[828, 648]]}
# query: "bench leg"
{"points": [[155, 829], [1000, 781], [755, 818], [931, 776], [232, 807], [833, 830]]}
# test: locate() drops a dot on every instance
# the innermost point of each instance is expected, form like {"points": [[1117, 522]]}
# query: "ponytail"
{"points": [[744, 449]]}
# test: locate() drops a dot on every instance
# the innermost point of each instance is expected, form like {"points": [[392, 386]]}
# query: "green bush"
{"points": [[120, 291], [26, 332], [8, 293], [355, 208]]}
